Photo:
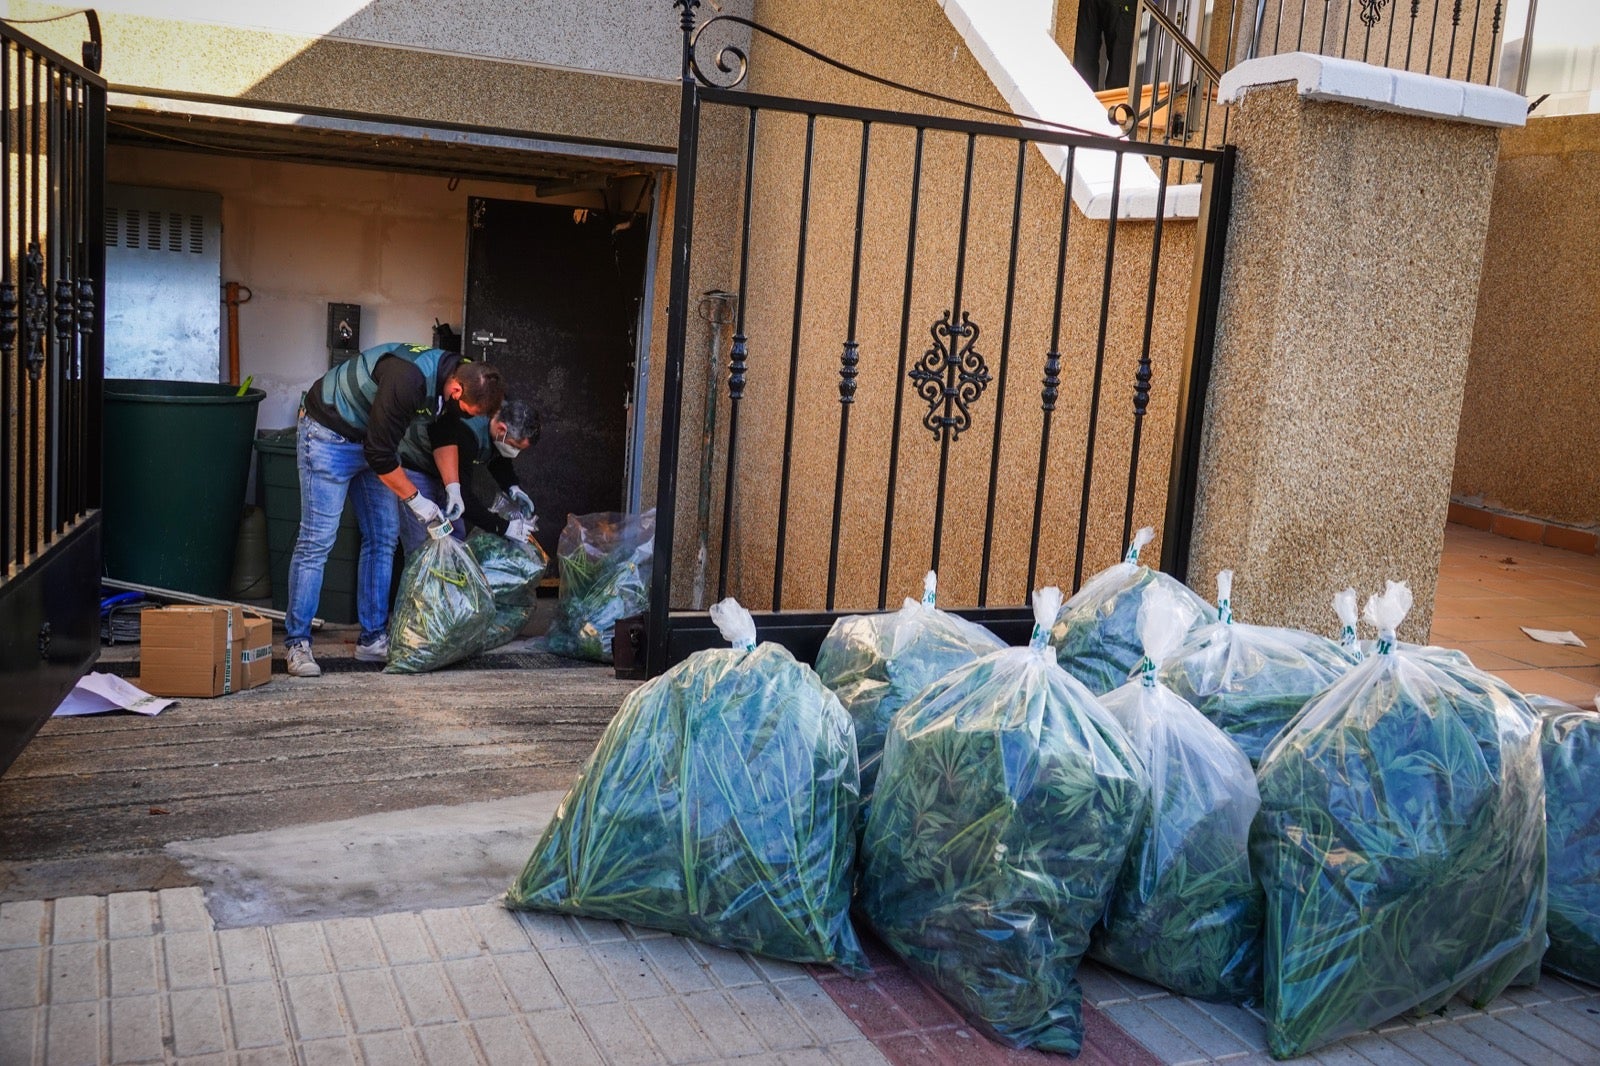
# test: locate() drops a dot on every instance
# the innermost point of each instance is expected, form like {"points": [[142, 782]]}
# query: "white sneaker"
{"points": [[301, 664], [375, 652]]}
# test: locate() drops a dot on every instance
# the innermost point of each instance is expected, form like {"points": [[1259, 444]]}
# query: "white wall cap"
{"points": [[1011, 41], [1352, 82]]}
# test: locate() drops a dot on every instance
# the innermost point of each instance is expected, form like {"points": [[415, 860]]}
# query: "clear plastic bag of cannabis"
{"points": [[1187, 911], [1096, 637], [1400, 842], [1251, 680], [876, 664], [514, 571], [720, 803], [605, 564], [442, 611], [1571, 748], [1005, 804]]}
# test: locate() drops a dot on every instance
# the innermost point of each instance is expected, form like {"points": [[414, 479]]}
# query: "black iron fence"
{"points": [[934, 358], [1182, 47], [52, 265]]}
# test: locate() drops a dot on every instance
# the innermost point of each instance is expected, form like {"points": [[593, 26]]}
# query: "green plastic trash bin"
{"points": [[279, 478], [177, 457]]}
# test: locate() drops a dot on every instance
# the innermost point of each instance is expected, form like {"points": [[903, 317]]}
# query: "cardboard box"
{"points": [[201, 651], [255, 653]]}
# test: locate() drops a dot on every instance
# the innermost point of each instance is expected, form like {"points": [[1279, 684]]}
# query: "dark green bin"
{"points": [[279, 478], [176, 460]]}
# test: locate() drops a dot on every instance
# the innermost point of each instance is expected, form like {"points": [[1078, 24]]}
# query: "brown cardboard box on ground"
{"points": [[254, 664], [199, 651]]}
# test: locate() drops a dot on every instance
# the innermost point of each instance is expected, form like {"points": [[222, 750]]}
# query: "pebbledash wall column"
{"points": [[1360, 210]]}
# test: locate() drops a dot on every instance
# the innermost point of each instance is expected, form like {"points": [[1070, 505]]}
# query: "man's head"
{"points": [[515, 427], [477, 388]]}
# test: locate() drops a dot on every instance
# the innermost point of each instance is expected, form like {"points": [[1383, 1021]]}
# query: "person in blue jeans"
{"points": [[434, 454], [348, 439]]}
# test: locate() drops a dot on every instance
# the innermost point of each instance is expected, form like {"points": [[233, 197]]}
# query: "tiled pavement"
{"points": [[146, 977]]}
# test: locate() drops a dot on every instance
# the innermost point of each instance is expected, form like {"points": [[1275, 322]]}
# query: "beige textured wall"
{"points": [[1528, 442], [915, 43], [300, 236], [1346, 318]]}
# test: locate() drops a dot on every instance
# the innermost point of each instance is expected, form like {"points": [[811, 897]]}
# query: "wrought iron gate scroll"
{"points": [[1066, 307]]}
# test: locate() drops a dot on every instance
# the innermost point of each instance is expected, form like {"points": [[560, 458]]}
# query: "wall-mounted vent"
{"points": [[156, 231]]}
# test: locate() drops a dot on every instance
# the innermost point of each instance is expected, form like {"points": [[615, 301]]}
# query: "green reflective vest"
{"points": [[416, 450], [350, 388]]}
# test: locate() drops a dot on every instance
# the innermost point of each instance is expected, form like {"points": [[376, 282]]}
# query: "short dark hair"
{"points": [[481, 384], [521, 421]]}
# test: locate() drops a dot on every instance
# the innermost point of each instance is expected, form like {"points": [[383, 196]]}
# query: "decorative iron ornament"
{"points": [[86, 308], [35, 310], [736, 367], [1495, 25], [951, 376], [1052, 380], [1372, 12], [848, 360], [1141, 386], [8, 316]]}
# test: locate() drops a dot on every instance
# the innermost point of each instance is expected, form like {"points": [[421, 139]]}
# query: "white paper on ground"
{"points": [[96, 693], [1553, 636]]}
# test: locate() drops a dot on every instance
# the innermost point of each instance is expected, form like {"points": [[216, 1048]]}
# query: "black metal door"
{"points": [[52, 254], [554, 291]]}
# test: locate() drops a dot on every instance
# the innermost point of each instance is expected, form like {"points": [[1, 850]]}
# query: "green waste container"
{"points": [[176, 460], [279, 479]]}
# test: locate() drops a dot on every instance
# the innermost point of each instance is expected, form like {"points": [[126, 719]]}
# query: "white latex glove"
{"points": [[519, 530], [425, 509], [521, 498], [454, 506]]}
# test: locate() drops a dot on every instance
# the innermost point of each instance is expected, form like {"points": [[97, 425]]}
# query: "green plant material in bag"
{"points": [[514, 572], [1251, 680], [443, 609], [1571, 748], [1096, 637], [605, 576], [1187, 911], [720, 803], [1401, 844], [877, 663], [1006, 801]]}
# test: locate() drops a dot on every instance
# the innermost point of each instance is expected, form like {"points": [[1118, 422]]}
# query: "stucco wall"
{"points": [[1528, 441], [915, 43], [302, 236]]}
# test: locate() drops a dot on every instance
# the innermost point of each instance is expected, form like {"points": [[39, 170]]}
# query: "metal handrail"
{"points": [[1202, 74]]}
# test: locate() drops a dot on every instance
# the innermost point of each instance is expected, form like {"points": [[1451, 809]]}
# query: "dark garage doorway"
{"points": [[562, 286]]}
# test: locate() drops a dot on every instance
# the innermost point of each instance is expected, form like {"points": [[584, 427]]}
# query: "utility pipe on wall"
{"points": [[231, 297]]}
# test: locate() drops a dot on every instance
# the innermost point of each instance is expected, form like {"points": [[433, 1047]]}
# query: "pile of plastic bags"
{"points": [[1096, 636], [1570, 746], [720, 803], [1401, 844], [1005, 805], [443, 611], [605, 564], [1187, 911]]}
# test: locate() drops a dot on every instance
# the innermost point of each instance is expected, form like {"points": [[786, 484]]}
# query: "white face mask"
{"points": [[510, 451]]}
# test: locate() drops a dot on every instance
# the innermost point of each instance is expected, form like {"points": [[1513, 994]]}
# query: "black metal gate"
{"points": [[52, 139], [1011, 443]]}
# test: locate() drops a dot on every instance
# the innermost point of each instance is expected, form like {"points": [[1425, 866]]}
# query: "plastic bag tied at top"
{"points": [[513, 572], [443, 609], [1570, 746], [1006, 800], [1400, 843], [720, 803], [1096, 636], [605, 576], [877, 663], [1251, 680], [1187, 911]]}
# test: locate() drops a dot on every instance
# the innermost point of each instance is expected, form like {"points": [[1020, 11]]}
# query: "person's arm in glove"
{"points": [[454, 506], [426, 510], [521, 499], [520, 530]]}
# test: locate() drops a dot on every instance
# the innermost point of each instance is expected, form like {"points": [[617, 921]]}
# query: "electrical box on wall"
{"points": [[344, 332]]}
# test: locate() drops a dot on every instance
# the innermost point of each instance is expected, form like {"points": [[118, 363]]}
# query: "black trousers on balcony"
{"points": [[1107, 23]]}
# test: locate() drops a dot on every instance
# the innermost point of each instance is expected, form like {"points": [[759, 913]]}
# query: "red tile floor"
{"points": [[1488, 587]]}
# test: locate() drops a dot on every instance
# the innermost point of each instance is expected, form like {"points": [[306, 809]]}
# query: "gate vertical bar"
{"points": [[1099, 372], [736, 360], [1052, 375], [794, 364], [958, 332], [1005, 353], [677, 329], [90, 297], [54, 253], [9, 481], [1216, 196], [1141, 379], [848, 360]]}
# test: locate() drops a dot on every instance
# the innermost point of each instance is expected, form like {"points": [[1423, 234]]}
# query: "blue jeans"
{"points": [[413, 534], [332, 467]]}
